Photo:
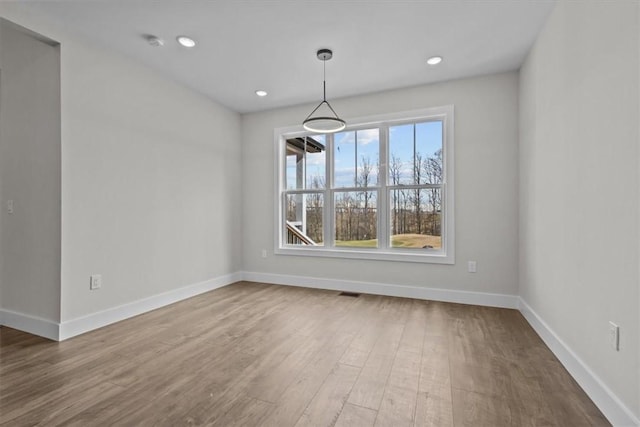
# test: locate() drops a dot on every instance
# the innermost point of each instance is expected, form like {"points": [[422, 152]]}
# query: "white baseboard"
{"points": [[434, 294], [31, 324], [80, 325], [610, 405]]}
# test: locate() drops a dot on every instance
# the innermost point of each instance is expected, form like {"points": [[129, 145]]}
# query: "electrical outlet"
{"points": [[264, 253], [95, 282], [9, 206], [614, 336], [471, 266]]}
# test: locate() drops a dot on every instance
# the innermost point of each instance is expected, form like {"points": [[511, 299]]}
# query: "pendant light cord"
{"points": [[324, 80]]}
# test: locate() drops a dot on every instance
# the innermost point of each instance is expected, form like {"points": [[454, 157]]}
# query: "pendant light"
{"points": [[324, 123]]}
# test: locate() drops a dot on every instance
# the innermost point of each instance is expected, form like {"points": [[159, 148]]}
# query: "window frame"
{"points": [[445, 255]]}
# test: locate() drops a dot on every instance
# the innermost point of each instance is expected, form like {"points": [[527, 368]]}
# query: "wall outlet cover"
{"points": [[472, 266], [95, 282]]}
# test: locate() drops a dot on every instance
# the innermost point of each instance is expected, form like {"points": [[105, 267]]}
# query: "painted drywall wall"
{"points": [[486, 184], [151, 183], [29, 174], [579, 185], [150, 178]]}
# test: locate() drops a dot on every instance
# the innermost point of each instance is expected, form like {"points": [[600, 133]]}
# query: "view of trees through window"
{"points": [[415, 178], [356, 166], [361, 183]]}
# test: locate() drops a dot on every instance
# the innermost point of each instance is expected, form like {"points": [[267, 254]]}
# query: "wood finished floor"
{"points": [[263, 355]]}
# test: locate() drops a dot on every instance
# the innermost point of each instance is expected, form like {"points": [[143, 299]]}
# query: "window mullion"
{"points": [[283, 220], [355, 163], [384, 228], [414, 155], [329, 208], [281, 238]]}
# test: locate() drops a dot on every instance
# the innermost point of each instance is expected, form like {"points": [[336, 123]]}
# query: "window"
{"points": [[380, 189]]}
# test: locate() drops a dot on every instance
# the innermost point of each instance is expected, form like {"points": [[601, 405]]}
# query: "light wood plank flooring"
{"points": [[263, 355]]}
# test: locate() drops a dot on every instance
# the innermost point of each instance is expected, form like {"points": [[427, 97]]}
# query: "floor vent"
{"points": [[349, 294]]}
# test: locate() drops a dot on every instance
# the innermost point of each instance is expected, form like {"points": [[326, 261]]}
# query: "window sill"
{"points": [[426, 257]]}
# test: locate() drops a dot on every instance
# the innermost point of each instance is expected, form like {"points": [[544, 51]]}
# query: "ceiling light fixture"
{"points": [[186, 41], [434, 60], [154, 41], [261, 92], [324, 123]]}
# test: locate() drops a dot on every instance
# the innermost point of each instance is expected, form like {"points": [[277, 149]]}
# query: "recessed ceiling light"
{"points": [[154, 41], [186, 41], [434, 60], [261, 92]]}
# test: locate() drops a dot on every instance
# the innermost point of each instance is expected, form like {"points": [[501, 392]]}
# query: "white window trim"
{"points": [[444, 256]]}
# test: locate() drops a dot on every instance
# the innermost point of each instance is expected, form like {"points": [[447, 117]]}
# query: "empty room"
{"points": [[320, 213]]}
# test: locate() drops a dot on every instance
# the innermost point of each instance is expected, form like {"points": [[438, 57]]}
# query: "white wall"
{"points": [[579, 215], [151, 182], [150, 178], [486, 188], [29, 174]]}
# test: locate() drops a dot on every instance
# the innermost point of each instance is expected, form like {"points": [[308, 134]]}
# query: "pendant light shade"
{"points": [[323, 118]]}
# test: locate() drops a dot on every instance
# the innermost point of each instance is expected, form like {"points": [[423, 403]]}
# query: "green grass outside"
{"points": [[358, 243], [397, 241]]}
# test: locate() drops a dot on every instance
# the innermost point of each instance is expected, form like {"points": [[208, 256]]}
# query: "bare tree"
{"points": [[314, 205], [291, 208], [416, 197], [432, 170], [395, 166], [363, 180], [345, 213]]}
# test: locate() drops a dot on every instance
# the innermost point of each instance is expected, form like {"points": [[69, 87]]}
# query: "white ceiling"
{"points": [[245, 45]]}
